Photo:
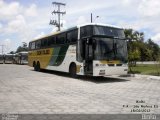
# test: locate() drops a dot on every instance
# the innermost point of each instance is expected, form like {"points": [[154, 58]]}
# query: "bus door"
{"points": [[88, 56]]}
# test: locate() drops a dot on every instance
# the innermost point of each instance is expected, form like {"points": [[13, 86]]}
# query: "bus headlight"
{"points": [[102, 72], [97, 65], [100, 65]]}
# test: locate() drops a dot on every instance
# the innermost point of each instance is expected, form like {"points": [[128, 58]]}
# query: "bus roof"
{"points": [[57, 32], [78, 26], [8, 54], [23, 52], [100, 24]]}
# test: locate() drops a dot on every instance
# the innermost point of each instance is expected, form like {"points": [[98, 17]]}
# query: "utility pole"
{"points": [[2, 46], [91, 17], [59, 13], [93, 20]]}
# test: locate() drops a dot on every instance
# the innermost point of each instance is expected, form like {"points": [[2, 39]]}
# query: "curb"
{"points": [[154, 78], [147, 76]]}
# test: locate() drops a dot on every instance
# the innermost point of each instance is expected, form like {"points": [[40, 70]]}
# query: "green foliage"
{"points": [[134, 55], [158, 64], [11, 52], [140, 50], [23, 47], [146, 53], [154, 48], [150, 69]]}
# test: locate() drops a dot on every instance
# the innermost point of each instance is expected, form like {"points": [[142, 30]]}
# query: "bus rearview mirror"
{"points": [[94, 44]]}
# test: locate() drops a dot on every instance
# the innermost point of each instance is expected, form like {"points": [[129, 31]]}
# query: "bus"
{"points": [[8, 58], [21, 58], [89, 49], [1, 58], [16, 58]]}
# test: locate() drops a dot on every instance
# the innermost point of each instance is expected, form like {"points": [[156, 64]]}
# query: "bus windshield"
{"points": [[110, 42], [110, 49], [24, 57], [108, 31]]}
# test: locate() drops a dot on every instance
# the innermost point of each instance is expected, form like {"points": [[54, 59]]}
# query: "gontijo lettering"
{"points": [[43, 52]]}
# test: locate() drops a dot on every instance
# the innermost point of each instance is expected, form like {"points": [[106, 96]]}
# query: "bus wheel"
{"points": [[72, 70], [38, 67], [35, 66]]}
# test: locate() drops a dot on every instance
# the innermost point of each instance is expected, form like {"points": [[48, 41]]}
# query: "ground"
{"points": [[23, 90]]}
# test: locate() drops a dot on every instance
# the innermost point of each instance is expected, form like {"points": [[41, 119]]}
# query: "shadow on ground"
{"points": [[97, 80]]}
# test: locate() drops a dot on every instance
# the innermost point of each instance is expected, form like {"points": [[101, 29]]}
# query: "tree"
{"points": [[138, 49], [11, 52], [23, 47], [134, 41], [155, 48], [138, 36]]}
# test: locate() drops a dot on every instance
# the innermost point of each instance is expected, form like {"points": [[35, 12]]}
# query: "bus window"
{"points": [[85, 31], [29, 46], [108, 31], [38, 44], [51, 41], [72, 36], [33, 45], [44, 42], [60, 39]]}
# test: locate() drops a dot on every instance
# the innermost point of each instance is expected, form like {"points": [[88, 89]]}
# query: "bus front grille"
{"points": [[110, 64], [118, 64]]}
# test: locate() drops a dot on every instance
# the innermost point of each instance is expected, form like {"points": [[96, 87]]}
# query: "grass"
{"points": [[146, 69]]}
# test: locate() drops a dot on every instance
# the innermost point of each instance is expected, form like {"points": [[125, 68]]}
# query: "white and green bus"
{"points": [[8, 58], [1, 58], [89, 49], [21, 58]]}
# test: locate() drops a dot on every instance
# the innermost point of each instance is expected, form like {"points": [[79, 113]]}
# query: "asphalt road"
{"points": [[23, 90]]}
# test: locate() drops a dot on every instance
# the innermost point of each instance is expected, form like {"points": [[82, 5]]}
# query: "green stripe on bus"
{"points": [[58, 55]]}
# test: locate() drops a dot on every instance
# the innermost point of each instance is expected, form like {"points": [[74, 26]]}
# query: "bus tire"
{"points": [[34, 66], [38, 67], [72, 70]]}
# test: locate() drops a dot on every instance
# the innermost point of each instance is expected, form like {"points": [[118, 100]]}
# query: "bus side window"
{"points": [[38, 44], [44, 42], [51, 41], [32, 45], [85, 31], [61, 38], [72, 36]]}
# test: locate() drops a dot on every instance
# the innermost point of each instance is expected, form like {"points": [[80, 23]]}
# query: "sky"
{"points": [[25, 20]]}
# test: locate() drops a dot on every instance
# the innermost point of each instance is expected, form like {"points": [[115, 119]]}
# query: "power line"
{"points": [[59, 13]]}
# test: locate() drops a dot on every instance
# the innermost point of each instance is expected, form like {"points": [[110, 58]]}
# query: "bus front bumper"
{"points": [[105, 71]]}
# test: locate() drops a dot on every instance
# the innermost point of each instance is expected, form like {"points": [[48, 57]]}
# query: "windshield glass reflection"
{"points": [[110, 49]]}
